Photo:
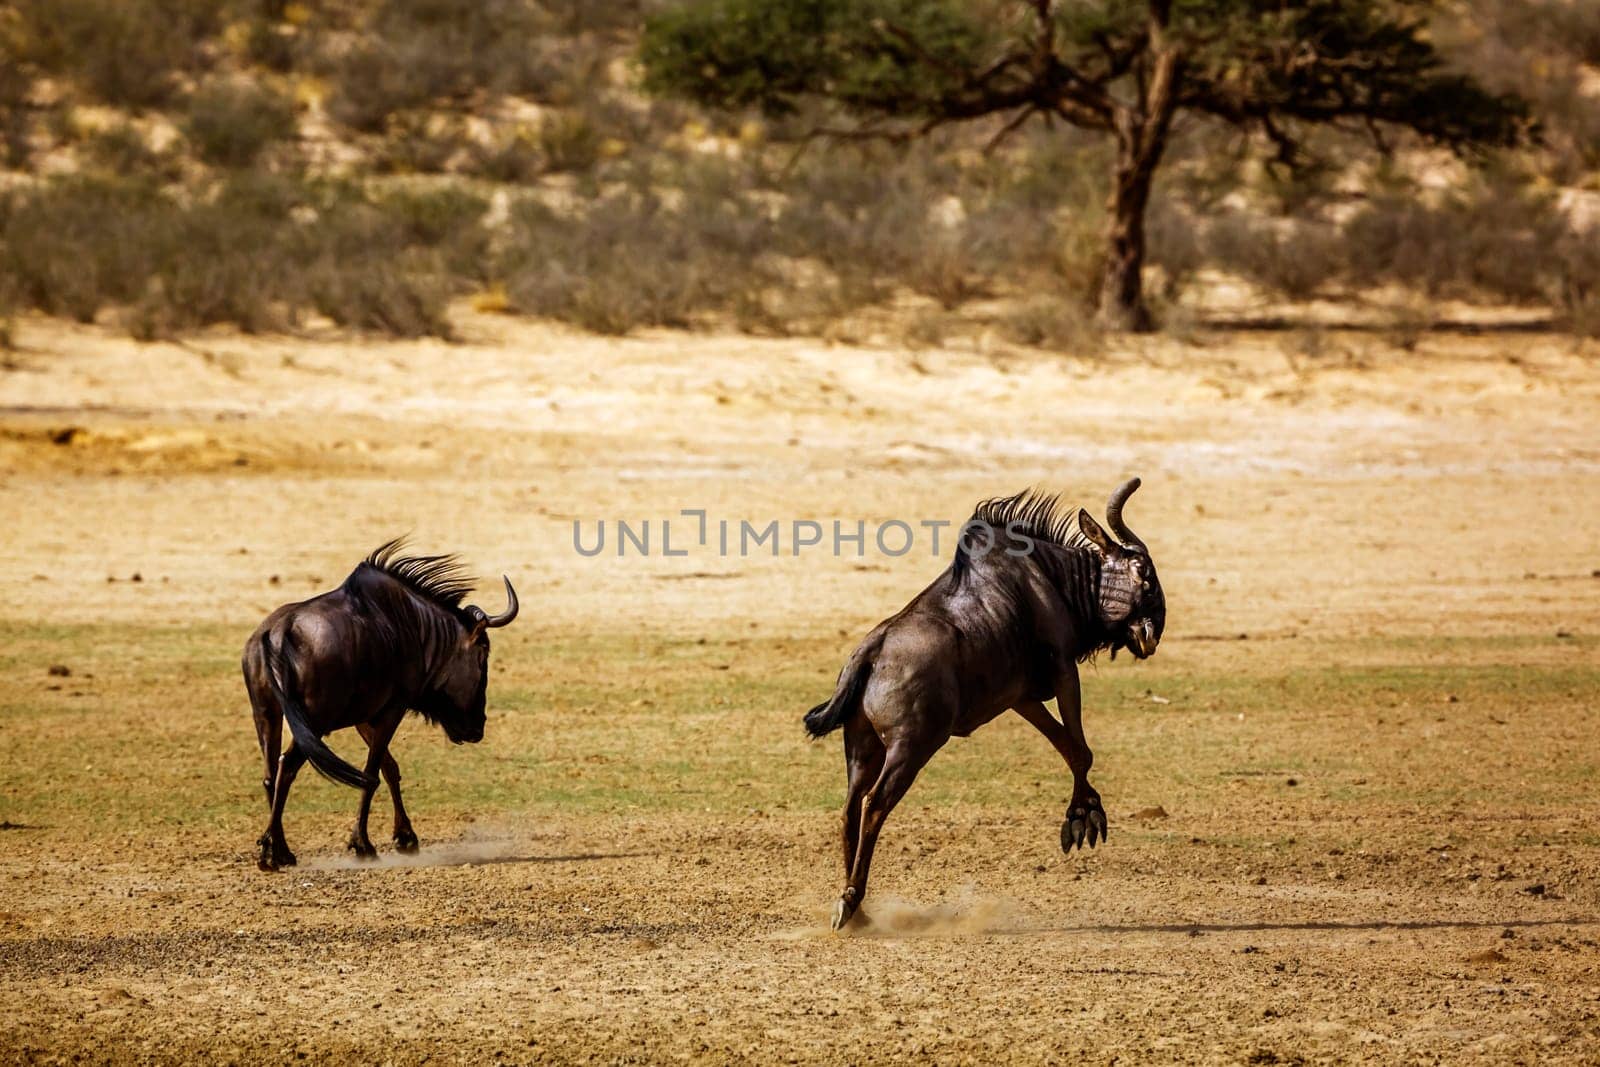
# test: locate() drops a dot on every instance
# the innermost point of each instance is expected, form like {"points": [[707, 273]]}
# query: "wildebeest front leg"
{"points": [[1085, 821], [405, 838], [274, 848], [377, 736]]}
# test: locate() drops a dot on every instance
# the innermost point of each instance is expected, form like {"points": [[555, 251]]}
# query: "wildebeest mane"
{"points": [[441, 579], [1030, 513], [1035, 514], [1074, 572]]}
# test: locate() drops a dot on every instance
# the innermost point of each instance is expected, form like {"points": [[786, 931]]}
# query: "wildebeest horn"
{"points": [[1114, 514], [505, 617]]}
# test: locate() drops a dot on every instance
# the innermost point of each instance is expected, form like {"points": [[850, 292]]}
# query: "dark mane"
{"points": [[1074, 572], [1037, 515], [1029, 513], [441, 579]]}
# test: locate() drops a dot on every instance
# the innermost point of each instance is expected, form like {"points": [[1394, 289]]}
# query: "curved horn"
{"points": [[505, 617], [1114, 514]]}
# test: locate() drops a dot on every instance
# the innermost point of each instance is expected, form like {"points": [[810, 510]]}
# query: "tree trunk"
{"points": [[1121, 304], [1141, 134]]}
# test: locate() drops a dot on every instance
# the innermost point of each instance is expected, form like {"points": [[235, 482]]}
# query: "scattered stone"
{"points": [[1488, 957], [60, 670], [1535, 890], [1292, 781], [1149, 814]]}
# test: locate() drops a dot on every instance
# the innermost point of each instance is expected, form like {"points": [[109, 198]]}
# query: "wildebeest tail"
{"points": [[834, 712], [323, 758]]}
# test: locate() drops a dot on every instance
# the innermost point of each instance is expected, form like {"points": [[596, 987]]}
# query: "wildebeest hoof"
{"points": [[844, 910], [405, 840], [1085, 824], [264, 855], [362, 849]]}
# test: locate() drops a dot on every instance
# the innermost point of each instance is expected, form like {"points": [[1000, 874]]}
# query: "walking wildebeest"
{"points": [[393, 638], [1002, 628]]}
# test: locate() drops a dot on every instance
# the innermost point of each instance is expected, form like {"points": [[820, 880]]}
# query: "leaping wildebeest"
{"points": [[1032, 591], [393, 638]]}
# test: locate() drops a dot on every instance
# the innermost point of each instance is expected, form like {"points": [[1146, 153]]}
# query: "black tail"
{"points": [[834, 712], [323, 758]]}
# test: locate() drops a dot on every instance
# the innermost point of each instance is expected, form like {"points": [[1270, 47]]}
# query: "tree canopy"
{"points": [[899, 68]]}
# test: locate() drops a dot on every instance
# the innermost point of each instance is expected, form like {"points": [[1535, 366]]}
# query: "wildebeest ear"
{"points": [[1091, 529]]}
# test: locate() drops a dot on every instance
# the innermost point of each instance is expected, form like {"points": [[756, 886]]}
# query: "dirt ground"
{"points": [[1353, 798]]}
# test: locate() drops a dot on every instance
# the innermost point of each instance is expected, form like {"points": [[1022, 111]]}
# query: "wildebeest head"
{"points": [[457, 692], [1132, 606]]}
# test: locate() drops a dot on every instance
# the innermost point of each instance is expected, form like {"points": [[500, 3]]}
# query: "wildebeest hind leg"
{"points": [[273, 845], [901, 764], [269, 734], [863, 760]]}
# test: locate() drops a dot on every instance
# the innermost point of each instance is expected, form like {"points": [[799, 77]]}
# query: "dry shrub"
{"points": [[570, 141], [515, 156], [1494, 243], [1051, 322], [631, 260], [419, 52], [258, 252], [123, 52], [1298, 258], [1578, 257], [231, 121], [122, 150], [1544, 50], [926, 328]]}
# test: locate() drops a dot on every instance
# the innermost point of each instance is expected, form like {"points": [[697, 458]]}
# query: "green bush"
{"points": [[231, 122]]}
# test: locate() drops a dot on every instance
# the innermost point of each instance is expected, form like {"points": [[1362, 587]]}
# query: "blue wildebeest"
{"points": [[393, 638], [1004, 627]]}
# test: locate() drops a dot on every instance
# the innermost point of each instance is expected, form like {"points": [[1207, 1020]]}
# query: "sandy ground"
{"points": [[1431, 518]]}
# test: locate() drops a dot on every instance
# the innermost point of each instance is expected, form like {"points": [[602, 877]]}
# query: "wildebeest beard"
{"points": [[460, 725]]}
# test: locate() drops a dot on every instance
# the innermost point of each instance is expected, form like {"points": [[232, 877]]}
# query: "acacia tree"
{"points": [[1125, 68]]}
